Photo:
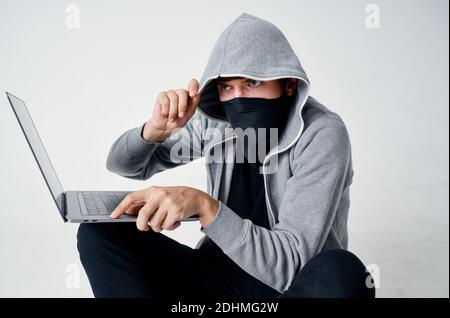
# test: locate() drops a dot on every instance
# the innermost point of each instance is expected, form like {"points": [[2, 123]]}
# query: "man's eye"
{"points": [[223, 86], [255, 83]]}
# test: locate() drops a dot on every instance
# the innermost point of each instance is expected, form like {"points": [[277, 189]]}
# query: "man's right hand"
{"points": [[172, 110]]}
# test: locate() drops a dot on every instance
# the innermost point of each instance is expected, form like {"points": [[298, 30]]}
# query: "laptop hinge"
{"points": [[64, 207]]}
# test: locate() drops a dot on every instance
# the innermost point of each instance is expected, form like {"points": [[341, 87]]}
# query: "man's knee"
{"points": [[88, 235], [335, 273], [349, 275], [95, 236]]}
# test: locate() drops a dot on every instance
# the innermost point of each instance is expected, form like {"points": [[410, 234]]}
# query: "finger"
{"points": [[174, 226], [157, 219], [192, 87], [145, 214], [170, 220], [127, 202], [173, 112], [194, 100], [183, 102], [134, 209], [164, 101], [193, 103]]}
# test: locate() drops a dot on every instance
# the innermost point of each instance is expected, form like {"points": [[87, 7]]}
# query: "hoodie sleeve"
{"points": [[306, 214], [133, 157]]}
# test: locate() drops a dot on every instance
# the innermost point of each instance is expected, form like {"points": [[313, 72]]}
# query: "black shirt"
{"points": [[246, 197]]}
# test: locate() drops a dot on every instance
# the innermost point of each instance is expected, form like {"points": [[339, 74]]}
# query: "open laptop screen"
{"points": [[38, 150]]}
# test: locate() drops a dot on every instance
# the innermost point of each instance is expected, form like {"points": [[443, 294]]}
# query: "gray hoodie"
{"points": [[307, 195]]}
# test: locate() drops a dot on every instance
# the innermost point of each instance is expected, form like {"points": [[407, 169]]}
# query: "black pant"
{"points": [[121, 261]]}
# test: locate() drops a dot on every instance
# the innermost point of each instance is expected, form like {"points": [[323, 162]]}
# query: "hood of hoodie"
{"points": [[254, 48]]}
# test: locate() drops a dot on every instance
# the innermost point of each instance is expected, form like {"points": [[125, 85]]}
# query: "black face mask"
{"points": [[248, 112]]}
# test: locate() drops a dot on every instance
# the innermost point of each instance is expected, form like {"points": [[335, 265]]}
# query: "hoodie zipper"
{"points": [[266, 185], [207, 157]]}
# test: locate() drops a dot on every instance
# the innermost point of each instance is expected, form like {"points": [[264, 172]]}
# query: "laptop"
{"points": [[73, 206]]}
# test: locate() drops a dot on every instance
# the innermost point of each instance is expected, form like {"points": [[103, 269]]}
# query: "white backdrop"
{"points": [[85, 86]]}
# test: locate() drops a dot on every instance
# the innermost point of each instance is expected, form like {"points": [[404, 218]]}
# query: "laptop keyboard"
{"points": [[103, 203]]}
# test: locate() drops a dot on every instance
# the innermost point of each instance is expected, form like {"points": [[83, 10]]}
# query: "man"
{"points": [[275, 222]]}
